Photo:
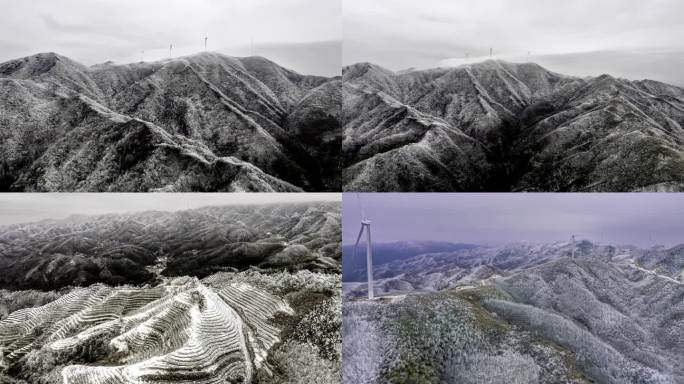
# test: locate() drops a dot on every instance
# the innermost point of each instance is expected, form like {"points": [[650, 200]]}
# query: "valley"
{"points": [[500, 126]]}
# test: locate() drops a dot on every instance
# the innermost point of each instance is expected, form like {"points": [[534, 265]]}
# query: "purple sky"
{"points": [[641, 219]]}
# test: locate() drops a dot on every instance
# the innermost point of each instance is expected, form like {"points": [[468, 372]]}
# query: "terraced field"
{"points": [[184, 330], [271, 318]]}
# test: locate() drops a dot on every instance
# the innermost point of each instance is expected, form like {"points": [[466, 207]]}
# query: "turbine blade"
{"points": [[357, 243]]}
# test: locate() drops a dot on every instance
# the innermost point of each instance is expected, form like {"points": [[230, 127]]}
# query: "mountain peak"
{"points": [[35, 65]]}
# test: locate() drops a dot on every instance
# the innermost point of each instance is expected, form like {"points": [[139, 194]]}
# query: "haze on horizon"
{"points": [[640, 219], [304, 35], [19, 208], [624, 38]]}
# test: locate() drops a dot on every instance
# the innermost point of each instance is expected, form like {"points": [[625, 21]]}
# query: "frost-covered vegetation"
{"points": [[498, 126], [445, 337], [205, 122], [520, 313], [116, 249], [593, 356], [99, 333], [221, 298]]}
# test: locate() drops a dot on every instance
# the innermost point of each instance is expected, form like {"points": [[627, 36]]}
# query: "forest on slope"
{"points": [[520, 313], [499, 126], [206, 122]]}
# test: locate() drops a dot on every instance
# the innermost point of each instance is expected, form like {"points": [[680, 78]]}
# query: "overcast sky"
{"points": [[29, 207], [627, 38], [301, 34], [641, 219]]}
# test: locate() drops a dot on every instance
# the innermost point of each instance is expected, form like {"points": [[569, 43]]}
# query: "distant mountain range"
{"points": [[223, 294], [436, 265], [499, 126], [206, 122], [354, 268]]}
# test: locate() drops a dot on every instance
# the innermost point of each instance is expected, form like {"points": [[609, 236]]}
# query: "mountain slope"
{"points": [[237, 293], [229, 327], [519, 313], [249, 118], [116, 249], [504, 126]]}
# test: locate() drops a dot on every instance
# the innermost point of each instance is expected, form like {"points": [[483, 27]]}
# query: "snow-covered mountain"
{"points": [[239, 294], [206, 122], [434, 270], [118, 248], [503, 126], [354, 268], [520, 313]]}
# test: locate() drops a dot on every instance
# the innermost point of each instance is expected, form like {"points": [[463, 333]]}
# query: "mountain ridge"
{"points": [[530, 129], [250, 109], [552, 318]]}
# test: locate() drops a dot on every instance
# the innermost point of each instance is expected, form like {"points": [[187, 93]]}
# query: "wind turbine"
{"points": [[205, 42], [366, 224], [170, 50]]}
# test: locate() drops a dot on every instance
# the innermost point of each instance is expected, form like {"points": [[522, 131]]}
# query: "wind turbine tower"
{"points": [[205, 42], [366, 224], [170, 50], [573, 246], [491, 51]]}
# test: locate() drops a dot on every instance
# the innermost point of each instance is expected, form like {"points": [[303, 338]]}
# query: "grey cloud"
{"points": [[405, 33]]}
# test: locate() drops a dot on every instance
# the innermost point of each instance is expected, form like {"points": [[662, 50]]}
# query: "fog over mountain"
{"points": [[630, 39], [20, 208]]}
